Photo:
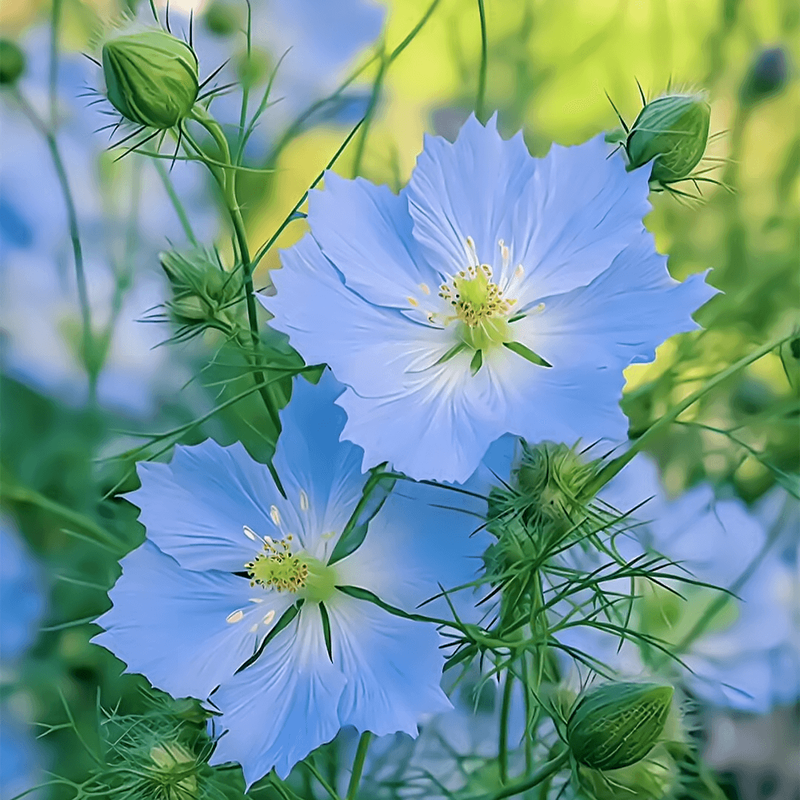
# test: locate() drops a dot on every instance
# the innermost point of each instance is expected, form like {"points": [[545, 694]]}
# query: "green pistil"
{"points": [[278, 568]]}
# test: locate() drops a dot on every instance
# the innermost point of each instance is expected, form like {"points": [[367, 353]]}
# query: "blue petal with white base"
{"points": [[496, 293], [226, 558]]}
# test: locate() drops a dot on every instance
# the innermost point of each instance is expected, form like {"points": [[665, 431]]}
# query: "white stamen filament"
{"points": [[235, 616], [303, 501], [268, 617]]}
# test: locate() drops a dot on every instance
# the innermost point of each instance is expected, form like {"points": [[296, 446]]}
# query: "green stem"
{"points": [[369, 114], [358, 765], [548, 770], [74, 234], [618, 464], [481, 98], [228, 185], [309, 765], [176, 202], [505, 707]]}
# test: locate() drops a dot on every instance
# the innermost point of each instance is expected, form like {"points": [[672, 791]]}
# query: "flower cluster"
{"points": [[492, 303]]}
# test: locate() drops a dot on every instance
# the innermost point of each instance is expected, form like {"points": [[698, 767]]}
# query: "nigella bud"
{"points": [[173, 770], [672, 132], [617, 725], [12, 62], [204, 292], [151, 78], [766, 77]]}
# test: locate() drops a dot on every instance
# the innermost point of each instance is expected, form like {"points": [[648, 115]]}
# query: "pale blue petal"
{"points": [[575, 216], [424, 537], [449, 415], [467, 189], [195, 507], [366, 231], [279, 709], [170, 624], [310, 459], [366, 346], [620, 317], [393, 667], [21, 597]]}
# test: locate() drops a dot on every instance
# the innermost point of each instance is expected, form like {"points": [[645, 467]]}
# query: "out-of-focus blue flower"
{"points": [[21, 608], [317, 39], [747, 656], [496, 293], [20, 757], [202, 594], [124, 220], [21, 597]]}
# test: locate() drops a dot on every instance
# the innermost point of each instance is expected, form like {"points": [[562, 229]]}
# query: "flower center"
{"points": [[278, 568], [480, 308]]}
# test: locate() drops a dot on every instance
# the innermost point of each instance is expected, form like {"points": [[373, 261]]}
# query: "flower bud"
{"points": [[203, 290], [617, 725], [766, 77], [174, 771], [672, 132], [151, 78], [12, 62]]}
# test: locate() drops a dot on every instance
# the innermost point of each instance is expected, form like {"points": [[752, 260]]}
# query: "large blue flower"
{"points": [[496, 293], [227, 556]]}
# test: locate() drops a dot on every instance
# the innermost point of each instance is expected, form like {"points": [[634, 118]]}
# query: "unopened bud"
{"points": [[151, 78], [174, 771], [12, 62], [203, 291], [617, 725], [672, 132]]}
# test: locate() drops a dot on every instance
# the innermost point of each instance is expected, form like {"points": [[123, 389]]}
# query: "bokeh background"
{"points": [[72, 420]]}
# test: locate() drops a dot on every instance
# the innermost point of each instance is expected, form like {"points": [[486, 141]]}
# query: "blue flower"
{"points": [[746, 657], [226, 557], [21, 596], [496, 293]]}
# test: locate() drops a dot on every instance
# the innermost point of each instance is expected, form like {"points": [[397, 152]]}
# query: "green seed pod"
{"points": [[617, 725], [151, 78], [12, 62], [672, 132]]}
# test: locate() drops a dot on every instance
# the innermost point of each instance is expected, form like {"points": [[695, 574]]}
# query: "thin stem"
{"points": [[358, 765], [548, 770], [309, 765], [369, 114], [616, 465], [502, 747], [55, 24], [87, 350], [481, 98], [176, 202], [228, 185]]}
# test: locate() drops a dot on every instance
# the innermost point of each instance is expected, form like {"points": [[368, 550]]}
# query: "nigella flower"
{"points": [[747, 655], [496, 293], [233, 596]]}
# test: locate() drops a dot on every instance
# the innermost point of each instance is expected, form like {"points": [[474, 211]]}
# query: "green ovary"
{"points": [[480, 308], [278, 568]]}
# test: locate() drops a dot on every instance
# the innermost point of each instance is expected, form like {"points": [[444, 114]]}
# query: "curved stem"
{"points": [[547, 771], [358, 765]]}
